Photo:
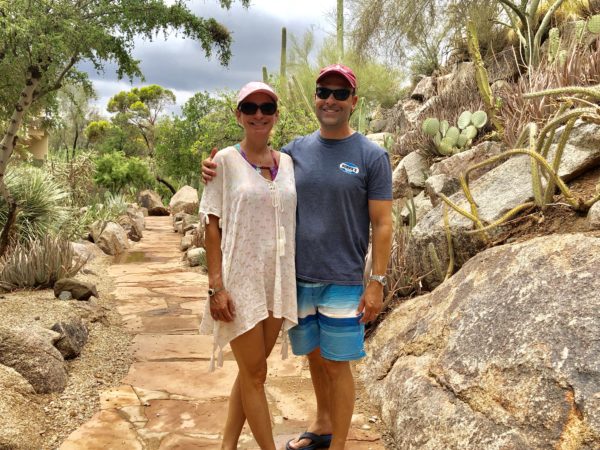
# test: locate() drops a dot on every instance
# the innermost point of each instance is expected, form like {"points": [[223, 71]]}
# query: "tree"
{"points": [[41, 42], [141, 108]]}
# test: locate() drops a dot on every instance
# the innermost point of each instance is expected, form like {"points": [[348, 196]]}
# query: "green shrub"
{"points": [[116, 172], [42, 202], [38, 264]]}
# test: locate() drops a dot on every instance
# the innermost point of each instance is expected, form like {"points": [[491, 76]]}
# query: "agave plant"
{"points": [[42, 202], [39, 263]]}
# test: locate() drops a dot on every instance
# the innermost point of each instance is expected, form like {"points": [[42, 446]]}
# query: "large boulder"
{"points": [[152, 202], [425, 89], [594, 216], [496, 193], [113, 239], [31, 353], [136, 214], [79, 290], [458, 164], [416, 167], [131, 226], [380, 138], [502, 355], [73, 336], [196, 257], [22, 418], [582, 151], [185, 200]]}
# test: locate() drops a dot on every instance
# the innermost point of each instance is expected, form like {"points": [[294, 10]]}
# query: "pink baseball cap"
{"points": [[253, 87], [339, 69]]}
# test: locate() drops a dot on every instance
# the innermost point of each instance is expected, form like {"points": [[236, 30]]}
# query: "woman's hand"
{"points": [[209, 167], [221, 306]]}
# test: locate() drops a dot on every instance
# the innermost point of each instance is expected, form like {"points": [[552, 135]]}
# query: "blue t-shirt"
{"points": [[335, 179]]}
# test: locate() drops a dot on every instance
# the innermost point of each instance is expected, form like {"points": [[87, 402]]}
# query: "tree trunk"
{"points": [[9, 140], [166, 183], [340, 29]]}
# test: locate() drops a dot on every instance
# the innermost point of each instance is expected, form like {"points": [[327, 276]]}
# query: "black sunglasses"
{"points": [[250, 108], [339, 94]]}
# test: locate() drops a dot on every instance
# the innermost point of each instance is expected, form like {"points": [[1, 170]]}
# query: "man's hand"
{"points": [[221, 306], [371, 302], [208, 167]]}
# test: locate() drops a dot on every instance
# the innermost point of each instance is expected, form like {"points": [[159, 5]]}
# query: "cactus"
{"points": [[553, 44], [283, 63], [265, 75], [593, 24], [450, 139]]}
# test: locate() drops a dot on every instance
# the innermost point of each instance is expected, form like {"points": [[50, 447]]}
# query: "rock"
{"points": [[378, 125], [186, 242], [594, 216], [178, 217], [113, 239], [502, 355], [462, 75], [422, 206], [424, 90], [496, 193], [581, 153], [407, 143], [188, 223], [185, 200], [440, 184], [151, 200], [65, 295], [85, 250], [32, 355], [380, 138], [73, 336], [144, 211], [96, 230], [400, 185], [22, 418], [196, 257], [79, 290], [131, 227], [198, 236], [458, 164], [417, 169], [136, 214], [503, 66]]}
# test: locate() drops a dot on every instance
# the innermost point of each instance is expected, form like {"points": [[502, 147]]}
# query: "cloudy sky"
{"points": [[180, 65]]}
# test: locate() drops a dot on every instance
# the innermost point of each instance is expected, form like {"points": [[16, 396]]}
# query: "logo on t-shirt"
{"points": [[349, 168]]}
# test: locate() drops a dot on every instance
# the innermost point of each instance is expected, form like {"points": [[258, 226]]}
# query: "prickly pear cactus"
{"points": [[593, 24], [479, 119], [464, 120], [431, 126]]}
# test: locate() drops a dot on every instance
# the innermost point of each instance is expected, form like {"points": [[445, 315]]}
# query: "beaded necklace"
{"points": [[272, 169]]}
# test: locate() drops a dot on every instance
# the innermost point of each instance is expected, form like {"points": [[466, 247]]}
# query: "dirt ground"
{"points": [[103, 362]]}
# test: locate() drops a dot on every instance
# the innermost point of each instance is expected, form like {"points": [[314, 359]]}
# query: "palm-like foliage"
{"points": [[41, 200]]}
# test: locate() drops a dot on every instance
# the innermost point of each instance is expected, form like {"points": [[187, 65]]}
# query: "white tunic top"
{"points": [[258, 221]]}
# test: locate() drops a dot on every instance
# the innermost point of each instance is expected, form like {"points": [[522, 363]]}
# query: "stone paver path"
{"points": [[169, 399]]}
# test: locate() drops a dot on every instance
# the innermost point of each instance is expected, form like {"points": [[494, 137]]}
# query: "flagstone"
{"points": [[170, 324], [186, 416], [125, 293], [138, 305], [185, 291], [118, 397], [295, 403], [181, 442], [192, 379], [135, 414], [147, 395], [152, 347], [105, 430], [195, 307]]}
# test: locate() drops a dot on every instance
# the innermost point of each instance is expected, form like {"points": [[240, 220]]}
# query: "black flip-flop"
{"points": [[317, 441]]}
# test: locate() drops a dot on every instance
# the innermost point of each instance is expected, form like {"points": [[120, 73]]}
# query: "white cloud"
{"points": [[180, 65]]}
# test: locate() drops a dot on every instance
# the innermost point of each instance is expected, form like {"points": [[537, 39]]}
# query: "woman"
{"points": [[249, 211]]}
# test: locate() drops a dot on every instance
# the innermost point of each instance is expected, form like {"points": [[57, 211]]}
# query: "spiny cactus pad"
{"points": [[593, 24], [431, 126], [452, 135], [470, 132], [479, 118], [444, 125], [464, 120]]}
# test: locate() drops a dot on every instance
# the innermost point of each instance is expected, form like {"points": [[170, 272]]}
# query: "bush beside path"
{"points": [[169, 399]]}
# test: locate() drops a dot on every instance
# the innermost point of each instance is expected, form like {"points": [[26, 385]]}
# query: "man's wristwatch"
{"points": [[213, 291], [381, 279]]}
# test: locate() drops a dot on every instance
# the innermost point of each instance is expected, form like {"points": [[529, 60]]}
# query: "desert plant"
{"points": [[581, 67], [41, 199], [76, 174], [583, 99], [449, 140], [38, 263]]}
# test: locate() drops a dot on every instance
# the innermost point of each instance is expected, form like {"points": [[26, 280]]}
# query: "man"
{"points": [[344, 186]]}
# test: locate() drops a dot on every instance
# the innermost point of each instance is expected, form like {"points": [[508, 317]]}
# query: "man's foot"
{"points": [[309, 441]]}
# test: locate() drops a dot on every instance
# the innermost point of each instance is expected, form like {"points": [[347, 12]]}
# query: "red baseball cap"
{"points": [[253, 87], [339, 69]]}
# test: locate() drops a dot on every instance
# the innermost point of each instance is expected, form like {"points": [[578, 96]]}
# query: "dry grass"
{"points": [[581, 68]]}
